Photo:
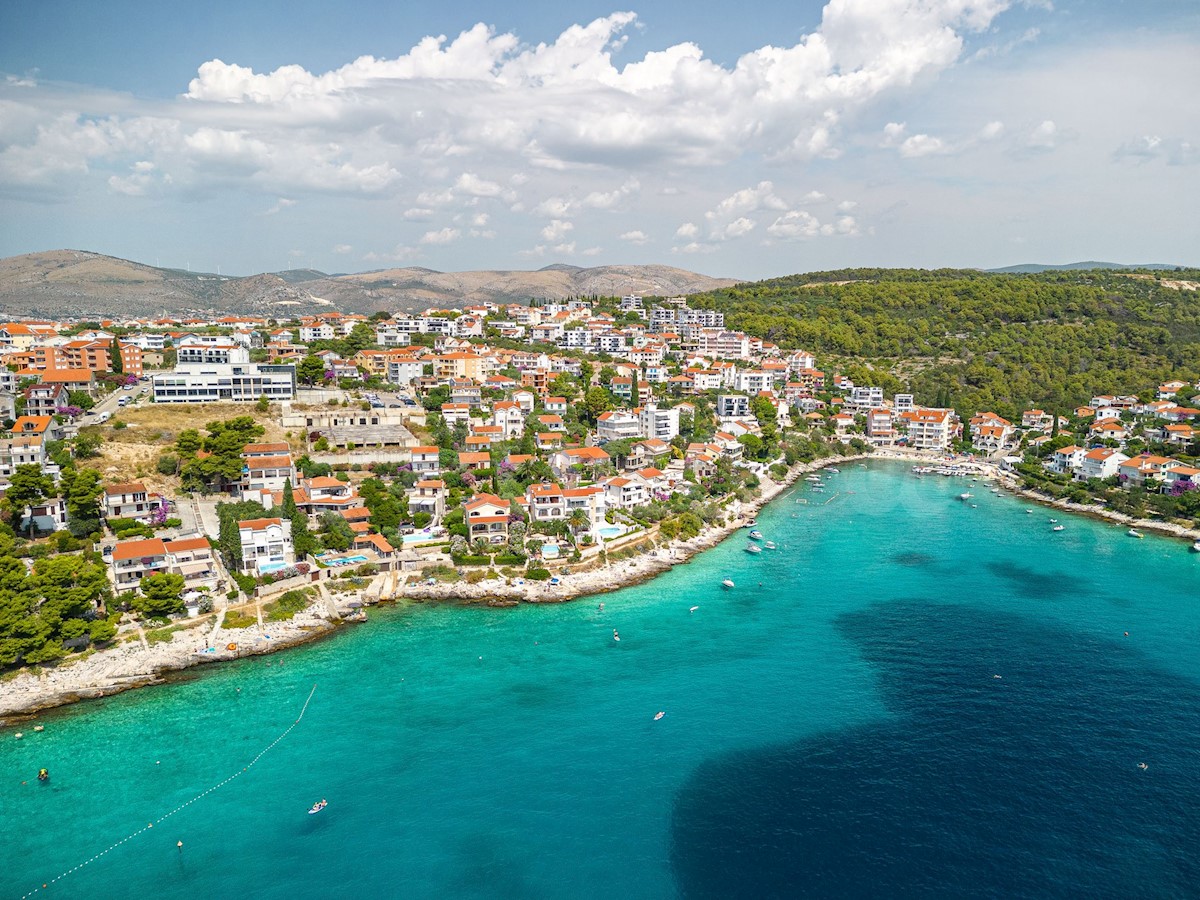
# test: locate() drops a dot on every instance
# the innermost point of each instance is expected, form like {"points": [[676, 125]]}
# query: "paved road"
{"points": [[112, 403]]}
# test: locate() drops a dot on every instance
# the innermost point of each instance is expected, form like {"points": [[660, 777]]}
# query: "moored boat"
{"points": [[770, 545], [728, 582], [753, 548], [1058, 528], [756, 535], [1133, 532]]}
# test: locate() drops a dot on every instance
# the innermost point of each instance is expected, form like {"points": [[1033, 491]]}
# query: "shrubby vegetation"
{"points": [[978, 341]]}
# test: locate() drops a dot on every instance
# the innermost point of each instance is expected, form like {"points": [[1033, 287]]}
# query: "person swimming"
{"points": [[43, 775]]}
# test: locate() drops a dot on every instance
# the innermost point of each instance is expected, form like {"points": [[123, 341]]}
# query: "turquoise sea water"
{"points": [[833, 726]]}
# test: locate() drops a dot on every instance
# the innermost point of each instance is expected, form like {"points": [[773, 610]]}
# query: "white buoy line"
{"points": [[181, 806]]}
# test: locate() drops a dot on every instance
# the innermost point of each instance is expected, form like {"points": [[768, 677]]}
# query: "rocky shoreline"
{"points": [[135, 663]]}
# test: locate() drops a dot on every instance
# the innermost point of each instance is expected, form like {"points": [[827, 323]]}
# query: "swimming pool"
{"points": [[549, 551], [265, 568], [418, 536], [608, 532], [344, 561]]}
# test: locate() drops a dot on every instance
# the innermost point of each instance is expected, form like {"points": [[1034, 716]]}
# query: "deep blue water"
{"points": [[833, 727]]}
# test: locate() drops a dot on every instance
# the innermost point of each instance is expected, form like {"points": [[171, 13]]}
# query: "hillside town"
{"points": [[493, 441]]}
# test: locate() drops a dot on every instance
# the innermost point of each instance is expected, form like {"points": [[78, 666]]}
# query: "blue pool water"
{"points": [[833, 727], [608, 532], [550, 551]]}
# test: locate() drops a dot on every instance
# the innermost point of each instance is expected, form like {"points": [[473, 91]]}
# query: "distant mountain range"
{"points": [[1033, 268], [71, 283]]}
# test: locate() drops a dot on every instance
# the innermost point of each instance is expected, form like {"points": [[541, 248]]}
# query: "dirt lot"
{"points": [[130, 453]]}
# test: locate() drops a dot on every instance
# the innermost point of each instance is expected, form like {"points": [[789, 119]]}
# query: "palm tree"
{"points": [[578, 520]]}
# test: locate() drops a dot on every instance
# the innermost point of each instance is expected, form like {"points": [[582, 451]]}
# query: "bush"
{"points": [[286, 606], [167, 464], [237, 619], [470, 560], [118, 425], [509, 559], [538, 574], [421, 519], [246, 582], [477, 576]]}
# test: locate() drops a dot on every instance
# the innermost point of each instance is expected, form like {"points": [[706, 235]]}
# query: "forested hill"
{"points": [[985, 341]]}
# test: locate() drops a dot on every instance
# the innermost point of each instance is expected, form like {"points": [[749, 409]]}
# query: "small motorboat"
{"points": [[1029, 512], [317, 807], [756, 535], [965, 495], [1058, 528], [750, 524], [1133, 532], [728, 582], [770, 545], [1052, 521], [753, 548], [658, 715], [616, 636], [1196, 546]]}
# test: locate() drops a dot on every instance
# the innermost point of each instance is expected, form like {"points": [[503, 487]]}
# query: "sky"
{"points": [[737, 140]]}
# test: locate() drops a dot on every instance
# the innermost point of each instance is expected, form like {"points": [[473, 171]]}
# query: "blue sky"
{"points": [[747, 142]]}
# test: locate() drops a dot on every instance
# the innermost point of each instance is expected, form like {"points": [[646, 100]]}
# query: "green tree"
{"points": [[159, 595], [115, 361], [595, 402], [302, 540], [86, 445], [27, 487], [311, 370], [83, 495], [82, 399]]}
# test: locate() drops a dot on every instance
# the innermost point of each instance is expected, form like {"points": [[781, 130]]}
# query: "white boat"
{"points": [[753, 548], [832, 471], [770, 545], [965, 495], [1133, 532], [728, 582], [1058, 528], [317, 807], [750, 524], [995, 490], [1196, 546], [756, 535]]}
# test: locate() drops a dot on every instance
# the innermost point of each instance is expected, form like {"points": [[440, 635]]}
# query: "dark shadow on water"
{"points": [[1030, 582], [913, 559], [1026, 785]]}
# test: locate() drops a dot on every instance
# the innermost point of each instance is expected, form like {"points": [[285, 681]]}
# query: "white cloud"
{"points": [[591, 251], [634, 237], [1044, 137], [795, 225], [1174, 151], [991, 131], [342, 249], [686, 231], [922, 145], [695, 247], [471, 184], [567, 249], [418, 213], [281, 204], [556, 230], [749, 200], [738, 228], [441, 236]]}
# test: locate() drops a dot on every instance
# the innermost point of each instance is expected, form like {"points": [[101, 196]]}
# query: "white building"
{"points": [[618, 425], [208, 373], [1103, 462], [658, 423], [266, 545], [931, 429]]}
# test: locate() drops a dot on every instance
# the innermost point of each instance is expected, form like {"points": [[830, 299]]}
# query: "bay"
{"points": [[913, 695]]}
